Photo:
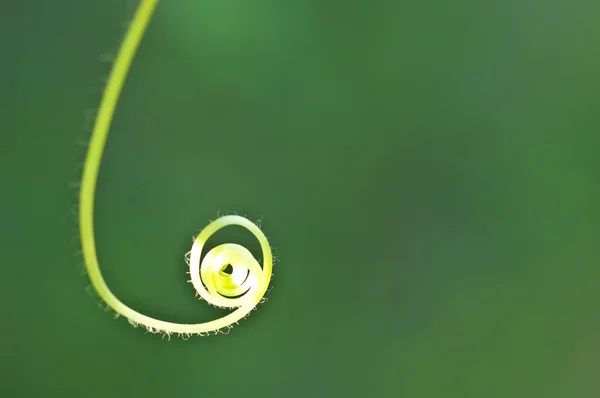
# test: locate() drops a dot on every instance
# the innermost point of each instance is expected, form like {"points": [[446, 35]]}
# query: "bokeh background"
{"points": [[427, 173]]}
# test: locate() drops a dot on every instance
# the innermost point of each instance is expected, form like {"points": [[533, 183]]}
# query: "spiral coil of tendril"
{"points": [[241, 289]]}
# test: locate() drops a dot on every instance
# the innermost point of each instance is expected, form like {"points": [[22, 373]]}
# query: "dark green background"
{"points": [[427, 172]]}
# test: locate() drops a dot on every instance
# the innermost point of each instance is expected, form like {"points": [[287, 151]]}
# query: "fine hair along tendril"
{"points": [[243, 288]]}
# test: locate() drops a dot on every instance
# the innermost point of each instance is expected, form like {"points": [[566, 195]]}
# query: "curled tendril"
{"points": [[242, 289]]}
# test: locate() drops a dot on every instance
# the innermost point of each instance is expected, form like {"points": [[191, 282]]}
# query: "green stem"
{"points": [[211, 283]]}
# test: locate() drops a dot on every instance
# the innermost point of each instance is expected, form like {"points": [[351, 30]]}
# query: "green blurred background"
{"points": [[426, 171]]}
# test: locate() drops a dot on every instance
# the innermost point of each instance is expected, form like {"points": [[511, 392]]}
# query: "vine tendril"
{"points": [[241, 289]]}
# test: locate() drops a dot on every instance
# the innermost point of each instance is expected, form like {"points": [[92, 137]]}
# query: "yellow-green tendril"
{"points": [[242, 289]]}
